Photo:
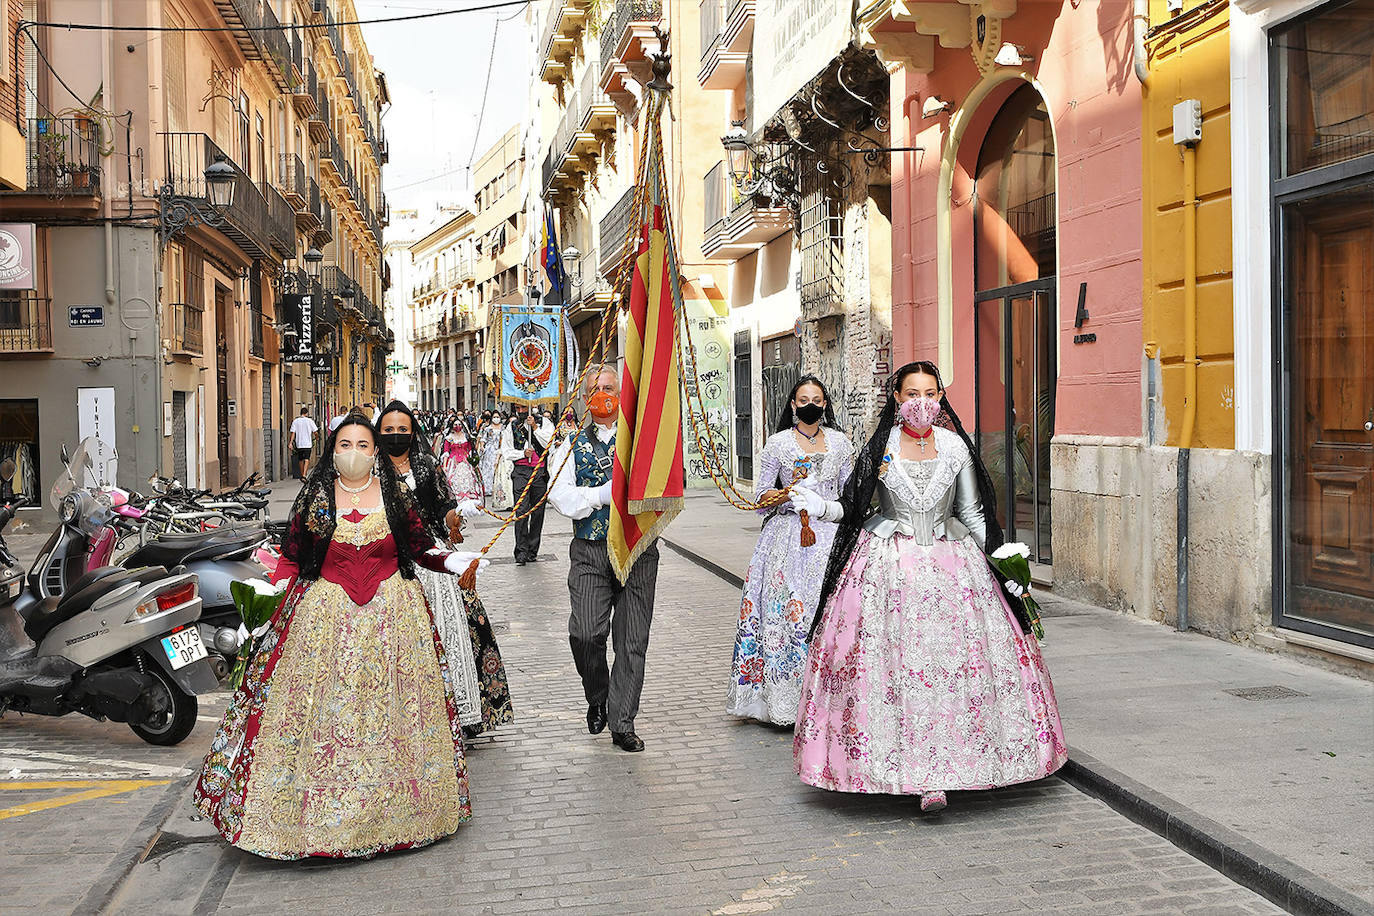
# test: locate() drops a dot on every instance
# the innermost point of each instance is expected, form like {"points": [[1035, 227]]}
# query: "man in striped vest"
{"points": [[601, 606]]}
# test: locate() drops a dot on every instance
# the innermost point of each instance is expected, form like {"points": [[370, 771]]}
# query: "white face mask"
{"points": [[354, 464]]}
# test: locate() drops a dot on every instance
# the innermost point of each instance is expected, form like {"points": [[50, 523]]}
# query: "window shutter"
{"points": [[174, 77]]}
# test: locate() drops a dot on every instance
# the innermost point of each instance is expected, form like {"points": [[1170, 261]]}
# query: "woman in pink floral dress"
{"points": [[921, 679], [457, 456]]}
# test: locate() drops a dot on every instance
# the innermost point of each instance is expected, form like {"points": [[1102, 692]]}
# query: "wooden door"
{"points": [[1331, 411]]}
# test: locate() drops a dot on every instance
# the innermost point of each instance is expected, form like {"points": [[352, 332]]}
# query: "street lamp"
{"points": [[220, 182], [177, 212], [740, 153], [313, 258]]}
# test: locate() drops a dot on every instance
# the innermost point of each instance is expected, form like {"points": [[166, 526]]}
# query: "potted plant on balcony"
{"points": [[50, 159]]}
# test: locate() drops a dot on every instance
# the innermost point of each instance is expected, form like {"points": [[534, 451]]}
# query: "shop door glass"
{"points": [[1329, 300], [1015, 409]]}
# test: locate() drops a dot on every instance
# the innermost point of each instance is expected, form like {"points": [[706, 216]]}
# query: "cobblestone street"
{"points": [[709, 819]]}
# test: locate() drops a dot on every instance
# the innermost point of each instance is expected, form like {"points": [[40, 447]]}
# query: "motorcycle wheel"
{"points": [[181, 718]]}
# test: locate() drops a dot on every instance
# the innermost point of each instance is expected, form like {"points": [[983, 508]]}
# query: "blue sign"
{"points": [[86, 316]]}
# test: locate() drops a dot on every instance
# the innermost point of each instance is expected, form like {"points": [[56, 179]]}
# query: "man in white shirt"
{"points": [[334, 423], [601, 605], [523, 443], [303, 431]]}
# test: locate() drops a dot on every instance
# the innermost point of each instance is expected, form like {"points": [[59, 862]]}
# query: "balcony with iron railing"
{"points": [[727, 35], [305, 95], [575, 147], [736, 224], [614, 228], [256, 221], [318, 123], [292, 181], [63, 162], [558, 40], [187, 321], [627, 38], [325, 233], [25, 322], [259, 35]]}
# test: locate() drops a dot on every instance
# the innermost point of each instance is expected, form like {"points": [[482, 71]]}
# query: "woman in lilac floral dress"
{"points": [[784, 578], [921, 678]]}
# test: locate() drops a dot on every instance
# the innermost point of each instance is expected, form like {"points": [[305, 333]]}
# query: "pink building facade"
{"points": [[1016, 231]]}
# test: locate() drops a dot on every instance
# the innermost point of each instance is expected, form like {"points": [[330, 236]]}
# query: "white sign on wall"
{"points": [[794, 40], [95, 414]]}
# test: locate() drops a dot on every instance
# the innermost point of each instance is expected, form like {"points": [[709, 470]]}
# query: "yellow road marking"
{"points": [[93, 789]]}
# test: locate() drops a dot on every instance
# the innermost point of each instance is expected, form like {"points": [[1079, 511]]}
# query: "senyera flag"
{"points": [[647, 480]]}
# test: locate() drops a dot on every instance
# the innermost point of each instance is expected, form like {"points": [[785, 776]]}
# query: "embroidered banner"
{"points": [[532, 358]]}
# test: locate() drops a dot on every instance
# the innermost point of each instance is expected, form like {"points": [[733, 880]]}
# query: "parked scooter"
{"points": [[81, 545], [120, 644]]}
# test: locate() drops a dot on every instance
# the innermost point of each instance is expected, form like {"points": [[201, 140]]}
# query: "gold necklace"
{"points": [[354, 494]]}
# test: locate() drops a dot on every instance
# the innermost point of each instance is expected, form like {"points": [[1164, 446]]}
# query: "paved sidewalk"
{"points": [[1293, 774]]}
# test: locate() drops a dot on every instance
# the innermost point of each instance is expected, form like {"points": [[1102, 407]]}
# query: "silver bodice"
{"points": [[926, 500]]}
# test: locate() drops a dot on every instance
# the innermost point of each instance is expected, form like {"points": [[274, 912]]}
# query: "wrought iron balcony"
{"points": [[615, 226], [626, 38], [260, 36], [63, 157], [726, 41], [736, 224], [325, 234], [25, 322], [291, 179], [257, 222]]}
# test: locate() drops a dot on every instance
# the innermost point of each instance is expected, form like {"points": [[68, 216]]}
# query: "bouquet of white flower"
{"points": [[257, 602], [1012, 563]]}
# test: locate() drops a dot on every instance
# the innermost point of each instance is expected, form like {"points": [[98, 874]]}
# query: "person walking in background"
{"points": [[488, 436], [303, 431], [783, 582], [480, 685], [601, 605], [523, 444], [457, 457]]}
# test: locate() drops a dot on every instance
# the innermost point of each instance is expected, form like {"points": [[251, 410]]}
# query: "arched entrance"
{"points": [[1014, 283]]}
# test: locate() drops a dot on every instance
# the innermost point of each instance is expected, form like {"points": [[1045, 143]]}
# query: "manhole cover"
{"points": [[1272, 692]]}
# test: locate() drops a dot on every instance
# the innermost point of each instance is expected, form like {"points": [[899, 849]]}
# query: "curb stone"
{"points": [[107, 886], [1224, 850]]}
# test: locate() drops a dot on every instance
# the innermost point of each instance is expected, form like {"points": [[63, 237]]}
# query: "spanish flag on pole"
{"points": [[647, 480]]}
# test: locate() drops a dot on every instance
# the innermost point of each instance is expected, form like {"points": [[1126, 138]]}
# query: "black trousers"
{"points": [[529, 531], [602, 607]]}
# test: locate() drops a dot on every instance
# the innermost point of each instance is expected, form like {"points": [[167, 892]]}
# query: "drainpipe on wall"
{"points": [[1187, 133], [1140, 25]]}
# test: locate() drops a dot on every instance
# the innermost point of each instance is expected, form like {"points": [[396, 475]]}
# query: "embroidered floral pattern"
{"points": [[783, 584], [343, 739], [919, 678]]}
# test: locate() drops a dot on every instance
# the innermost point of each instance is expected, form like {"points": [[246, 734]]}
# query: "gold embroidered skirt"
{"points": [[348, 744]]}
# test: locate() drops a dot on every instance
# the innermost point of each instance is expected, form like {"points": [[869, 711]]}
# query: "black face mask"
{"points": [[806, 413], [395, 444]]}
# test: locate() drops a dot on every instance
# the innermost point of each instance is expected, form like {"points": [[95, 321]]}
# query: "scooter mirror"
{"points": [[7, 469]]}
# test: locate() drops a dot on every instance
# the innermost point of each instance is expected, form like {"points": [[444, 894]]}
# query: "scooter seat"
{"points": [[176, 550], [244, 514], [82, 594]]}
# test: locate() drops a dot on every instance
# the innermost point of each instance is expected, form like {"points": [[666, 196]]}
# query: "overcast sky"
{"points": [[436, 70]]}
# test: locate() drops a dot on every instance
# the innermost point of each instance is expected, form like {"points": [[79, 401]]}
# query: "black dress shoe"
{"points": [[596, 718], [627, 741]]}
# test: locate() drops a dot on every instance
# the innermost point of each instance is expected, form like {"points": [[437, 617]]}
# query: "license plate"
{"points": [[183, 647]]}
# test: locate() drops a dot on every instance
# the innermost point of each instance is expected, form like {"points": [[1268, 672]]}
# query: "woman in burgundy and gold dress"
{"points": [[343, 739]]}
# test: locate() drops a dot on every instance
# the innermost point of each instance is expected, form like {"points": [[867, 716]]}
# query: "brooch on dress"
{"points": [[883, 468]]}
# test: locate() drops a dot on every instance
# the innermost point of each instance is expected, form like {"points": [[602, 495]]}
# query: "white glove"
{"points": [[804, 500], [469, 508], [457, 561], [1016, 590], [603, 495]]}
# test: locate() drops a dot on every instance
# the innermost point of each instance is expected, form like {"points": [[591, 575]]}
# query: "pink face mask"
{"points": [[919, 413]]}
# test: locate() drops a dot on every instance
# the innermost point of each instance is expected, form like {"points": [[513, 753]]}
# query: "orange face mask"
{"points": [[603, 404]]}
